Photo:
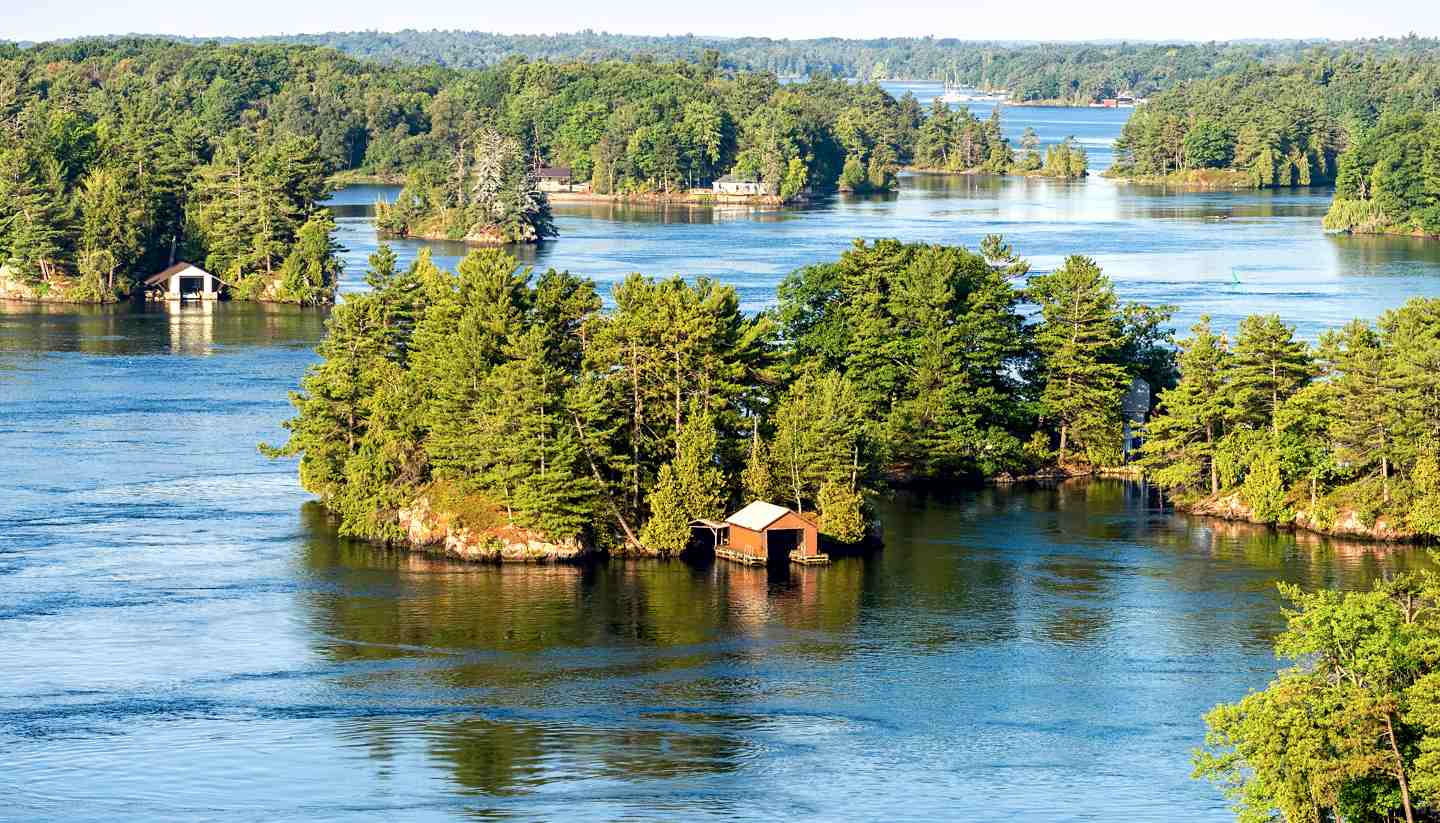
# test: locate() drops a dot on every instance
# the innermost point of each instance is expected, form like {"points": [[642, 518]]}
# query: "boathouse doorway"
{"points": [[192, 288], [780, 542]]}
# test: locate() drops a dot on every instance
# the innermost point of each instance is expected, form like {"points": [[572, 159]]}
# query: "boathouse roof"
{"points": [[553, 172], [161, 276], [743, 177], [757, 516]]}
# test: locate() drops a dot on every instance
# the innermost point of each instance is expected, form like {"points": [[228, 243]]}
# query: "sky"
{"points": [[965, 19]]}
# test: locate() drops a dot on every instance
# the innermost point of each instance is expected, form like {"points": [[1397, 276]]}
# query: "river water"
{"points": [[184, 637]]}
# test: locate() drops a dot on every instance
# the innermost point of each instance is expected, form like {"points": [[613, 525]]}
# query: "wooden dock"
{"points": [[739, 557], [747, 559], [809, 559]]}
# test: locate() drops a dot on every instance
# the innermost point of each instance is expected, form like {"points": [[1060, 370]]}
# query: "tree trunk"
{"points": [[595, 470], [1064, 437], [635, 428], [1214, 471], [1399, 769], [1385, 478]]}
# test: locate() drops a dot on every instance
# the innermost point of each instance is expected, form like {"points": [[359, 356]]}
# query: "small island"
{"points": [[493, 414], [487, 194], [955, 141]]}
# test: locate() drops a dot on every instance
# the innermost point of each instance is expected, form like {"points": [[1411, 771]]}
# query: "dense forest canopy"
{"points": [[224, 149], [1282, 126], [511, 398], [1345, 430], [1073, 72]]}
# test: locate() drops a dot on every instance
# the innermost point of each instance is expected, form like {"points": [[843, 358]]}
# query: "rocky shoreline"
{"points": [[1346, 523], [692, 197], [434, 532]]}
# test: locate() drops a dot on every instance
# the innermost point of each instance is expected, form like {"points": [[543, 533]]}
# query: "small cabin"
{"points": [[1134, 411], [744, 184], [184, 281], [554, 178], [764, 533]]}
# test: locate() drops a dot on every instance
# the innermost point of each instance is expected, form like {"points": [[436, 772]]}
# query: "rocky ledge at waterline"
{"points": [[1345, 523], [437, 532]]}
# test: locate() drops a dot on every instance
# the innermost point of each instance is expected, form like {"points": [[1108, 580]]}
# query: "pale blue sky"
{"points": [[967, 19]]}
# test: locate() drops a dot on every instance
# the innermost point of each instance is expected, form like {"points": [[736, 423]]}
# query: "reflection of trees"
{"points": [[132, 328], [1368, 254], [540, 642]]}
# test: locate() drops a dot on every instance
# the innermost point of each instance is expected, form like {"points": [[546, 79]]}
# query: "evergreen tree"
{"points": [[1180, 439], [758, 480], [1269, 365], [842, 516], [690, 486], [1078, 337], [1363, 407], [312, 269]]}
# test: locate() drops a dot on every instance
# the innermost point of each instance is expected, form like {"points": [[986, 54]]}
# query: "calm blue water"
{"points": [[184, 636], [1227, 254]]}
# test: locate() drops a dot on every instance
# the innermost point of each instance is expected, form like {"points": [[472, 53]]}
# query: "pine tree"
{"points": [[691, 486], [33, 224], [331, 406], [819, 437], [1412, 333], [1180, 440], [842, 516], [1363, 408], [758, 481], [312, 269], [1078, 336], [1269, 365]]}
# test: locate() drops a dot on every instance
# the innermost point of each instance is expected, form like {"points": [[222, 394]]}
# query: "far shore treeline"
{"points": [[1365, 123], [119, 156], [1067, 73]]}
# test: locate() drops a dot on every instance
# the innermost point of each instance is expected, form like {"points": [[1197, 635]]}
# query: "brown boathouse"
{"points": [[763, 533]]}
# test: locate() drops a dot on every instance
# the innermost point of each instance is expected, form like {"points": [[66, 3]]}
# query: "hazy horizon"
{"points": [[985, 20]]}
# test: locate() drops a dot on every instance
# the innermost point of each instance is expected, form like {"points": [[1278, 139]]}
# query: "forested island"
{"points": [[1350, 118], [511, 406], [500, 414]]}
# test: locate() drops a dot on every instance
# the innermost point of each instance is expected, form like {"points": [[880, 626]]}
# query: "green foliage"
{"points": [[1389, 178], [1077, 73], [515, 397], [842, 516], [1066, 160], [1354, 419], [1208, 146], [1352, 730], [819, 439], [1276, 126], [486, 191], [957, 140], [689, 487], [1424, 514], [1269, 365], [1079, 337], [311, 269], [1264, 490], [758, 480]]}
